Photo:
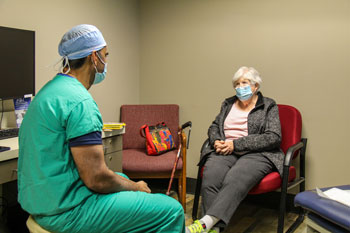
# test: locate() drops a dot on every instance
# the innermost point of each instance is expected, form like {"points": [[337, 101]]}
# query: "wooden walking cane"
{"points": [[175, 164]]}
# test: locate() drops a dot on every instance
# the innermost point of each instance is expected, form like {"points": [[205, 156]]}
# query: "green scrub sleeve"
{"points": [[83, 119]]}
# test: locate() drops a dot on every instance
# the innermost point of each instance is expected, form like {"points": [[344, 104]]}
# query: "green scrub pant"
{"points": [[125, 211]]}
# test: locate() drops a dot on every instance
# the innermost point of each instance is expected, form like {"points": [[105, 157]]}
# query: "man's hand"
{"points": [[143, 187]]}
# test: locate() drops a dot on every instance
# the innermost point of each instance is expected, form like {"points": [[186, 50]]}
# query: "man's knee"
{"points": [[176, 206], [169, 203]]}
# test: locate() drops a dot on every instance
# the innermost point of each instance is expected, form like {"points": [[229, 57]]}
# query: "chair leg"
{"points": [[283, 199], [179, 189], [282, 212], [196, 195], [182, 191], [298, 221]]}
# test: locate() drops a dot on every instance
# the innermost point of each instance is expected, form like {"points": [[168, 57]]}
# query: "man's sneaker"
{"points": [[196, 227]]}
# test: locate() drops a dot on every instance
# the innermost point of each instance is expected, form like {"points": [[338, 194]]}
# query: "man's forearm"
{"points": [[110, 182]]}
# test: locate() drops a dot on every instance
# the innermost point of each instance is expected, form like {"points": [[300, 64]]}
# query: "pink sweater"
{"points": [[235, 125]]}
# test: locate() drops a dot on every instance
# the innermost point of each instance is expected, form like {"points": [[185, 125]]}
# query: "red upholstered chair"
{"points": [[293, 146], [136, 163]]}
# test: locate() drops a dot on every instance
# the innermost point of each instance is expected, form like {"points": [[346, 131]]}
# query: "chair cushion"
{"points": [[272, 181], [136, 160], [326, 208]]}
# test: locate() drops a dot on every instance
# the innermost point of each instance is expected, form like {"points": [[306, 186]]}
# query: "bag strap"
{"points": [[160, 124], [142, 131]]}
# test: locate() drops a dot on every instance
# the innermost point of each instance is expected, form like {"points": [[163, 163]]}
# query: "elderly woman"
{"points": [[244, 146]]}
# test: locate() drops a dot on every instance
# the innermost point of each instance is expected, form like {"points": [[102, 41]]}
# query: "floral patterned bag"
{"points": [[158, 138]]}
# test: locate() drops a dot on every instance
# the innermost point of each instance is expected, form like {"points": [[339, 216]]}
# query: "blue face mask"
{"points": [[244, 93], [99, 77]]}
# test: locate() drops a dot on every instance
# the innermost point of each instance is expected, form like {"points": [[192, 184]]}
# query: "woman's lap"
{"points": [[231, 184]]}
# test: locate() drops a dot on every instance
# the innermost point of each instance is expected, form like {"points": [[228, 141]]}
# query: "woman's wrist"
{"points": [[231, 146]]}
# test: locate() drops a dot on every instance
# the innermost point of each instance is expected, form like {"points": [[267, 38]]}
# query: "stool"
{"points": [[324, 215], [34, 227]]}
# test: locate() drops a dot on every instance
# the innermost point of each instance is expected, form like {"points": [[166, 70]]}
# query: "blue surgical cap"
{"points": [[80, 42]]}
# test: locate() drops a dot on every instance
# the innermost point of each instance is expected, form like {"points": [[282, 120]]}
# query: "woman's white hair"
{"points": [[248, 73]]}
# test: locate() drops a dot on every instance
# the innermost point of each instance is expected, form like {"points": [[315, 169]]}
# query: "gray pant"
{"points": [[227, 181]]}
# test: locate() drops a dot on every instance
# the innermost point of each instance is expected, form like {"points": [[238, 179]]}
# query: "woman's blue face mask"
{"points": [[244, 93]]}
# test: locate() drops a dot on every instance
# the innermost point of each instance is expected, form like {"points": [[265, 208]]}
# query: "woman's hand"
{"points": [[223, 147], [219, 145], [228, 148]]}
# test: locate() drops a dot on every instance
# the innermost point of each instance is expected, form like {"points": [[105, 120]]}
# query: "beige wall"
{"points": [[192, 48], [118, 21]]}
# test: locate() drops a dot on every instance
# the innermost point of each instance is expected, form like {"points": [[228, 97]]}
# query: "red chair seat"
{"points": [[136, 160], [272, 181]]}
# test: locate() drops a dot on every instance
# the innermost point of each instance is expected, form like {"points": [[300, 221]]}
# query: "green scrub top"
{"points": [[48, 179]]}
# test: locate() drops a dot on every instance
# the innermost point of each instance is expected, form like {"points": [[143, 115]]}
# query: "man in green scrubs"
{"points": [[63, 180]]}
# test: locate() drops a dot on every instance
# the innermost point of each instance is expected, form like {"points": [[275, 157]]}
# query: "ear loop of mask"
{"points": [[61, 68], [66, 63], [98, 55], [100, 61], [95, 66]]}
